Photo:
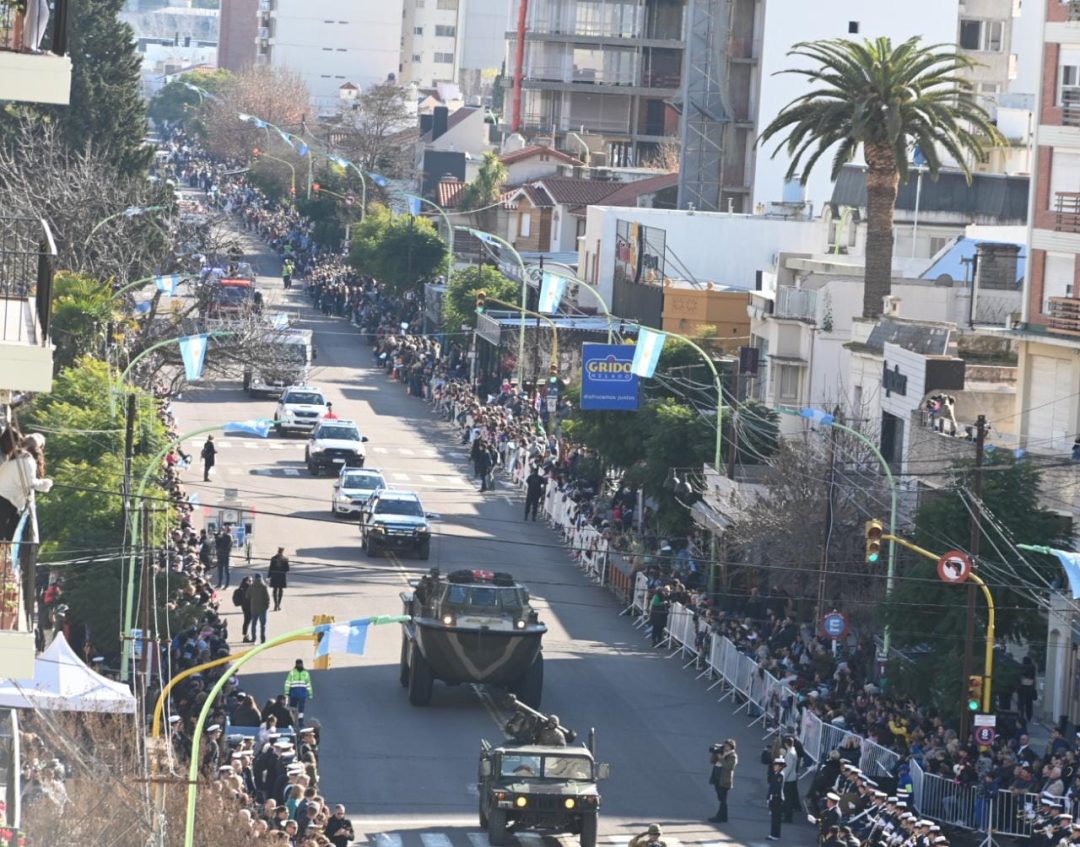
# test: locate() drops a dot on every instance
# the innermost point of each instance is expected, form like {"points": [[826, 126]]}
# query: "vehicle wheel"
{"points": [[483, 817], [530, 687], [423, 550], [333, 509], [312, 468], [421, 681], [277, 427], [403, 674], [496, 828], [371, 549], [247, 382], [588, 829]]}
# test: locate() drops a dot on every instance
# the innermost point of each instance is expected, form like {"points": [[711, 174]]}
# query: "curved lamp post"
{"points": [[129, 212], [449, 231], [196, 738], [572, 277]]}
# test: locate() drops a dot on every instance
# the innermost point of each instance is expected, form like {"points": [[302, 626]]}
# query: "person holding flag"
{"points": [[299, 690]]}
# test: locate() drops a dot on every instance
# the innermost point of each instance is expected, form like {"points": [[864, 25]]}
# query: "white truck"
{"points": [[283, 358]]}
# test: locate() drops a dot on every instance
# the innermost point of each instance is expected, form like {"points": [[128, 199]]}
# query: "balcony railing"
{"points": [[27, 264], [1067, 211], [1070, 106], [1064, 315], [18, 30], [795, 303]]}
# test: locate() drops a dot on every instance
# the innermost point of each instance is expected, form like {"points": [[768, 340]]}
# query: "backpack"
{"points": [[237, 596]]}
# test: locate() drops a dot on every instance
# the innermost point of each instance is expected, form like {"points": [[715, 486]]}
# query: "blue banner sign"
{"points": [[607, 383]]}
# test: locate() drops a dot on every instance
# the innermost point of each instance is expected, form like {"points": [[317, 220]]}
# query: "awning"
{"points": [[708, 518]]}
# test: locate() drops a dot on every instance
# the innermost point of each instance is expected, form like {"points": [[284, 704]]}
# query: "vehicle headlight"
{"points": [[521, 802], [570, 803], [421, 530], [318, 449], [448, 620], [343, 497], [520, 624], [378, 528]]}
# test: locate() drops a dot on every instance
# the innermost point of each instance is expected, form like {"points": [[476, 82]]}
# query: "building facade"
{"points": [[330, 43], [458, 41], [238, 31], [1049, 333]]}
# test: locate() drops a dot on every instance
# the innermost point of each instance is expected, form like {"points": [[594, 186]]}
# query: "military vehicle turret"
{"points": [[540, 781], [471, 626]]}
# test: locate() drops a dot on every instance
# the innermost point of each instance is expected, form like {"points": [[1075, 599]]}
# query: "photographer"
{"points": [[339, 829], [722, 776]]}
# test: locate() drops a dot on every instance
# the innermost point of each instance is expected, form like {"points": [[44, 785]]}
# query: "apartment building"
{"points": [[331, 42], [625, 71], [1049, 333], [238, 32], [458, 41]]}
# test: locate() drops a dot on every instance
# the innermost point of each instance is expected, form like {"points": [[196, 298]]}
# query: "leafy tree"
{"points": [[459, 305], [886, 100], [488, 185], [925, 610], [176, 104], [377, 130], [403, 252]]}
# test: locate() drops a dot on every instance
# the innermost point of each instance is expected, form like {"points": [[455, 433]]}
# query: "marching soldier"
{"points": [[652, 837]]}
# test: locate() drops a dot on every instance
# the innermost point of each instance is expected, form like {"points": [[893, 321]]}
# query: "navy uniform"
{"points": [[774, 794]]}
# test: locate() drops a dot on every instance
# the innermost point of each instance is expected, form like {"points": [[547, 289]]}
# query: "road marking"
{"points": [[400, 477], [435, 839], [426, 477], [381, 449], [251, 445], [478, 839], [406, 451], [387, 839]]}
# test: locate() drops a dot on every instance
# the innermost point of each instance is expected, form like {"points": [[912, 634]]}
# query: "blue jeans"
{"points": [[298, 698], [258, 620]]}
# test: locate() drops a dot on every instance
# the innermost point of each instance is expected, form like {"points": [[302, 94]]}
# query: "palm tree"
{"points": [[888, 100]]}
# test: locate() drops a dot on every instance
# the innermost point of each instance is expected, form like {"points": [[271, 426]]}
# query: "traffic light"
{"points": [[481, 299], [974, 693], [874, 531]]}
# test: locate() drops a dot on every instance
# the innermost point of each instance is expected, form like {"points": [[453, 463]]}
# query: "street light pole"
{"points": [[449, 231], [577, 281], [490, 240], [130, 212]]}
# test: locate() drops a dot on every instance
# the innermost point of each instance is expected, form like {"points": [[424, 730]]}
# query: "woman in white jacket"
{"points": [[20, 476]]}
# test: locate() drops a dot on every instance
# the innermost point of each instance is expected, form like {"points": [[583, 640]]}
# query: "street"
{"points": [[407, 775]]}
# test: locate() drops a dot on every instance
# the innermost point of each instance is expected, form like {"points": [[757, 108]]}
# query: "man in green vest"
{"points": [[298, 689]]}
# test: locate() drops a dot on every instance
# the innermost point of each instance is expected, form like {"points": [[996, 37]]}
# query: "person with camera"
{"points": [[339, 829], [722, 777]]}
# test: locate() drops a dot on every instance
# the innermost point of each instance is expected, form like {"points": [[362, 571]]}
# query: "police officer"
{"points": [[299, 690], [774, 794]]}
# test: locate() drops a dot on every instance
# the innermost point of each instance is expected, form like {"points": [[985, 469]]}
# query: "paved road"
{"points": [[405, 774]]}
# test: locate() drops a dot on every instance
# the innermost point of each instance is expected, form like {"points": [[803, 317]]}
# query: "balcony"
{"points": [[27, 258], [797, 304], [1067, 211], [35, 70], [16, 645], [1063, 315]]}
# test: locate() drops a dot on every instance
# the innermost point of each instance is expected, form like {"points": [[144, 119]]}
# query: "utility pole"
{"points": [[973, 549], [732, 444], [819, 610], [145, 576], [129, 451]]}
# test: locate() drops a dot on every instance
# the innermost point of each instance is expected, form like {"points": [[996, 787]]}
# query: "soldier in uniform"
{"points": [[649, 838], [829, 819], [775, 797], [551, 734], [1040, 819]]}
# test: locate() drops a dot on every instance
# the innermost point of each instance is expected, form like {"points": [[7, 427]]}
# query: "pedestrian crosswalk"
{"points": [[299, 444], [463, 837], [408, 481]]}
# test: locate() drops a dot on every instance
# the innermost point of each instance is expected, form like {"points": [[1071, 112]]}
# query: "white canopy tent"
{"points": [[62, 682]]}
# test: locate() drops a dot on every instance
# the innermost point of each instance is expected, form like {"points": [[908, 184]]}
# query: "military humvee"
{"points": [[539, 787], [471, 626]]}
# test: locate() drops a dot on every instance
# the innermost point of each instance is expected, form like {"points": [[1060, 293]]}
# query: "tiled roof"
{"points": [[567, 191], [627, 193], [448, 192], [535, 150]]}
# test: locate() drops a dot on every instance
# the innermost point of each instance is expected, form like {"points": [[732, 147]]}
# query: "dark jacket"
{"points": [[279, 566], [775, 787], [209, 451], [535, 485], [223, 545]]}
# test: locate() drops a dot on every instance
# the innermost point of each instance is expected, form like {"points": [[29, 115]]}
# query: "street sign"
{"points": [[985, 735], [954, 566], [552, 402], [986, 720], [834, 625]]}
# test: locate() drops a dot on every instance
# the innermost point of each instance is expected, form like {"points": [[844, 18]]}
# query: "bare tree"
{"points": [[666, 158], [275, 95], [377, 132]]}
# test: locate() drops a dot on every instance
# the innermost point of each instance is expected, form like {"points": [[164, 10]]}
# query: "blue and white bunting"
{"points": [[304, 149], [1071, 563], [259, 427], [284, 136], [650, 344], [414, 205], [341, 163], [378, 179], [818, 416], [143, 307], [348, 637], [167, 283], [193, 352], [552, 287]]}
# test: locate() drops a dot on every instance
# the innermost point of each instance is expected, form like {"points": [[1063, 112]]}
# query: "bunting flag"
{"points": [[341, 163], [280, 320], [1071, 563], [167, 283], [144, 307], [650, 344], [284, 135], [259, 427], [193, 352], [552, 287], [414, 205], [818, 416], [348, 637], [486, 237], [304, 149], [378, 179]]}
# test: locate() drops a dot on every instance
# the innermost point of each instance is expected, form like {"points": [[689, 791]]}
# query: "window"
{"points": [[444, 31], [939, 243], [417, 30], [444, 58], [787, 384], [853, 27], [982, 36], [524, 225], [416, 57], [446, 5]]}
